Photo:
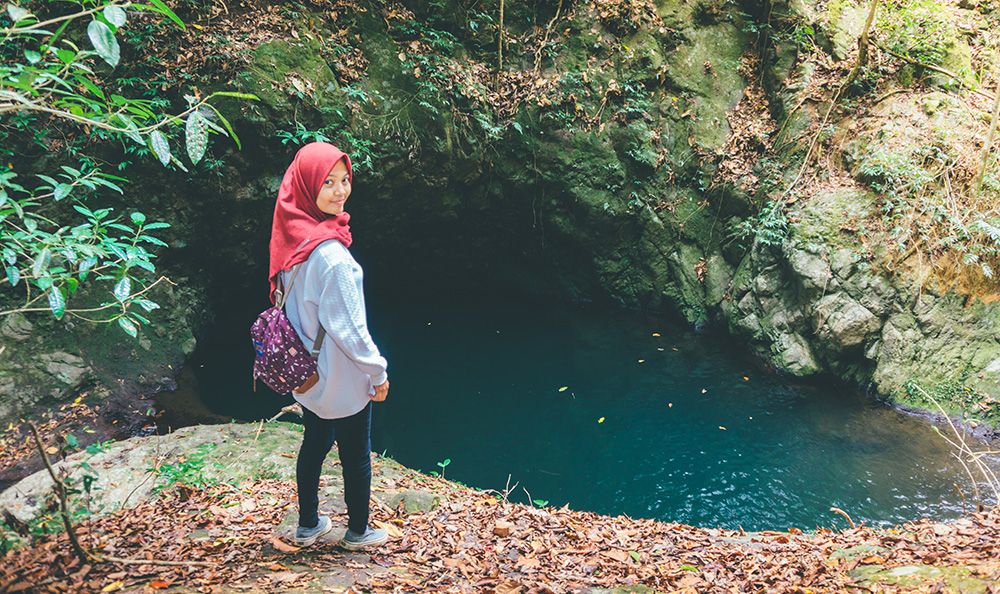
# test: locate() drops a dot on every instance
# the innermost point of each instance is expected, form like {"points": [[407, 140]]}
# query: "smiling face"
{"points": [[335, 190]]}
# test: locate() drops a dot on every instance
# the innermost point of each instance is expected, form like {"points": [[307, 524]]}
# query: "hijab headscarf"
{"points": [[299, 225]]}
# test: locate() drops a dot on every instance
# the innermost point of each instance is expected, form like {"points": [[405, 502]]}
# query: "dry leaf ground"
{"points": [[446, 537]]}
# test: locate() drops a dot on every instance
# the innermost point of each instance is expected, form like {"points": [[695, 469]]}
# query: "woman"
{"points": [[310, 231]]}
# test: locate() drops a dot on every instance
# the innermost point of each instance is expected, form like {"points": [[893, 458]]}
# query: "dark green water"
{"points": [[479, 385]]}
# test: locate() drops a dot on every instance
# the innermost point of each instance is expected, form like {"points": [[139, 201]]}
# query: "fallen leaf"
{"points": [[722, 427], [564, 388], [600, 420], [657, 334], [282, 546], [113, 586]]}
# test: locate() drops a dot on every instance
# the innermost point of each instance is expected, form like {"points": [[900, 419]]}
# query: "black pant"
{"points": [[353, 437]]}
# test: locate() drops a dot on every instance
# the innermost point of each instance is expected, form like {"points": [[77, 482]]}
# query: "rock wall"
{"points": [[620, 170]]}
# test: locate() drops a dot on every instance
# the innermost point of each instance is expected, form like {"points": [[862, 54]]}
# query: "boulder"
{"points": [[843, 320]]}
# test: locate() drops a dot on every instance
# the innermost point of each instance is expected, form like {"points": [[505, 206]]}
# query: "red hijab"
{"points": [[299, 225]]}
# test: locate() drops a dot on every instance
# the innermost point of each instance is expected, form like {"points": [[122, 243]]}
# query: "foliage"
{"points": [[919, 29], [52, 239], [919, 213], [189, 471], [768, 227]]}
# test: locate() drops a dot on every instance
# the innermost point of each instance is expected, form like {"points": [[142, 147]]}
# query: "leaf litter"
{"points": [[477, 541]]}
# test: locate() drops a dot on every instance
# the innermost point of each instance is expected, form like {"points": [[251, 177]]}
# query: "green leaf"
{"points": [[41, 262], [235, 95], [138, 218], [123, 289], [128, 327], [147, 305], [17, 13], [153, 240], [13, 275], [196, 136], [161, 148], [115, 15], [71, 441], [635, 555], [57, 303], [66, 55], [131, 130], [61, 191], [163, 9], [104, 42], [71, 285], [32, 56], [158, 225], [229, 128]]}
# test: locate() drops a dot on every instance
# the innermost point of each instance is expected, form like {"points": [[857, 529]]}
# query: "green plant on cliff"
{"points": [[61, 99]]}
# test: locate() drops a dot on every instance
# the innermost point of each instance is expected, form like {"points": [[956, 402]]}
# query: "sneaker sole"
{"points": [[308, 541], [357, 546]]}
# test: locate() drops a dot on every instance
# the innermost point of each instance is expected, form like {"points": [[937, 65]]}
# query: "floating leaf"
{"points": [[600, 420], [161, 148], [196, 136], [128, 326], [642, 360], [704, 390], [670, 405], [57, 303], [746, 379], [656, 334], [564, 388], [722, 427], [104, 42], [123, 289], [115, 15]]}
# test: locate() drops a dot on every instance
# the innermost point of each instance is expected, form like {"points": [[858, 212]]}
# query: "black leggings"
{"points": [[353, 437]]}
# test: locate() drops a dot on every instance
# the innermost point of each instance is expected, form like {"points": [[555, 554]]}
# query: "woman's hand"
{"points": [[381, 391]]}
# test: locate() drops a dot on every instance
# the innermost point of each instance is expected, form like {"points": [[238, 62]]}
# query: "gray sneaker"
{"points": [[371, 538], [306, 536]]}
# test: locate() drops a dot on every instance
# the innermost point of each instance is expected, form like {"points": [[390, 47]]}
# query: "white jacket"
{"points": [[328, 290]]}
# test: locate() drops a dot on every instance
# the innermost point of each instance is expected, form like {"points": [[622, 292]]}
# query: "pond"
{"points": [[614, 412]]}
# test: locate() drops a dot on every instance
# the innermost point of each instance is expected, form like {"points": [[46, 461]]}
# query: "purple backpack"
{"points": [[282, 361]]}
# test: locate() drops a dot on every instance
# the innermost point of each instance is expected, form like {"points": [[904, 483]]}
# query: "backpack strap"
{"points": [[282, 296], [319, 342]]}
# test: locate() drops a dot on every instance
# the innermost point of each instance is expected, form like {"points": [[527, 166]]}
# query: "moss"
{"points": [[952, 579], [822, 218]]}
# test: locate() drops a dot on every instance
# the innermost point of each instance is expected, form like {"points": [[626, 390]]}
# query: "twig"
{"points": [[937, 69], [81, 554], [295, 409], [545, 38], [988, 146], [841, 512]]}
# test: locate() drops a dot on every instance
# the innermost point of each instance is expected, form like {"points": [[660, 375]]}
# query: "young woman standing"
{"points": [[310, 237]]}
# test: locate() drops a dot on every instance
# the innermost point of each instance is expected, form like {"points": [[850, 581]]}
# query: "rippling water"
{"points": [[679, 427]]}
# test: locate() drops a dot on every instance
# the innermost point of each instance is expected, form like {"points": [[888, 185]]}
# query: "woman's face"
{"points": [[335, 190]]}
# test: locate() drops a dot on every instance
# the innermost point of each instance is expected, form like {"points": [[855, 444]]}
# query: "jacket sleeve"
{"points": [[341, 312]]}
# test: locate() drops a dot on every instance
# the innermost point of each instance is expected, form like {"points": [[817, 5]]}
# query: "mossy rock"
{"points": [[953, 579]]}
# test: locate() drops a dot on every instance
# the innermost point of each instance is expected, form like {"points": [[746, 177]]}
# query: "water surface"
{"points": [[680, 426]]}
